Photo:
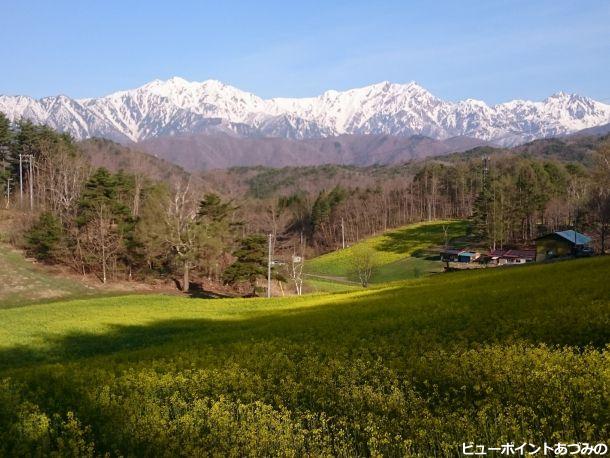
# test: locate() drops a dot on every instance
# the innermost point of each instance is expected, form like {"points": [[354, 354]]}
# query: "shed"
{"points": [[450, 255], [468, 256], [562, 243]]}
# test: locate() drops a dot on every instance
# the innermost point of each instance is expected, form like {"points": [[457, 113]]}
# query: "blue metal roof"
{"points": [[574, 237], [467, 253]]}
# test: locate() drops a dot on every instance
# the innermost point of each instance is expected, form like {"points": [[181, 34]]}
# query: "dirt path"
{"points": [[335, 279]]}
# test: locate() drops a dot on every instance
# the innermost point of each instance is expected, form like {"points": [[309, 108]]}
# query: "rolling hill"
{"points": [[593, 131], [114, 157], [413, 369], [399, 254]]}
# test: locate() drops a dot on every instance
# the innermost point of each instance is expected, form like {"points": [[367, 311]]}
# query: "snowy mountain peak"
{"points": [[476, 102], [178, 106], [177, 80], [561, 95]]}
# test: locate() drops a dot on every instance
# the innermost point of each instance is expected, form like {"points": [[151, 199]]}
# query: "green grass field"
{"points": [[320, 285], [400, 254], [414, 368]]}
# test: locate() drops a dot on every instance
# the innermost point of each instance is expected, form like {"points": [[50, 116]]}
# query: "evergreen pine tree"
{"points": [[106, 226], [44, 237], [6, 158], [251, 262], [481, 207]]}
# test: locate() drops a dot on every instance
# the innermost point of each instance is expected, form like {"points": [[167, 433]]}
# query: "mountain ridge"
{"points": [[177, 106], [220, 150]]}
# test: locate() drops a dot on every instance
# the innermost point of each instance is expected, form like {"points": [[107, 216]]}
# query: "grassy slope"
{"points": [[439, 360], [486, 355], [537, 296], [321, 285], [21, 282], [400, 253]]}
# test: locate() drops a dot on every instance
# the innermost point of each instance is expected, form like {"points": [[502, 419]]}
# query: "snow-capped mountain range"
{"points": [[176, 106]]}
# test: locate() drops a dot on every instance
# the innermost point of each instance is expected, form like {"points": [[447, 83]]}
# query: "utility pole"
{"points": [[342, 234], [269, 268], [8, 192], [31, 179], [20, 179], [575, 233]]}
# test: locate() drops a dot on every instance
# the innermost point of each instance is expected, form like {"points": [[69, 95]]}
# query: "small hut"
{"points": [[450, 254]]}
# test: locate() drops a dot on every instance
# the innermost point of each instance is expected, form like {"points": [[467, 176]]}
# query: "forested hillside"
{"points": [[140, 217], [215, 151], [115, 157], [512, 195]]}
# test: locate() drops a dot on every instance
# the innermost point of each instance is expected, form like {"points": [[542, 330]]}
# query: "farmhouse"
{"points": [[509, 257], [562, 243]]}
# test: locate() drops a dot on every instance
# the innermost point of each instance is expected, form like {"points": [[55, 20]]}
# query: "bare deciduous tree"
{"points": [[295, 272], [182, 230], [60, 180], [364, 263], [101, 241]]}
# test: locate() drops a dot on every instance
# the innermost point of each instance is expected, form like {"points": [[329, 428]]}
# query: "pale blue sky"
{"points": [[489, 50]]}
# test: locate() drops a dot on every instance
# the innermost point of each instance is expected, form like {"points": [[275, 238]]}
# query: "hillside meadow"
{"points": [[401, 253], [411, 369], [21, 282], [24, 282]]}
